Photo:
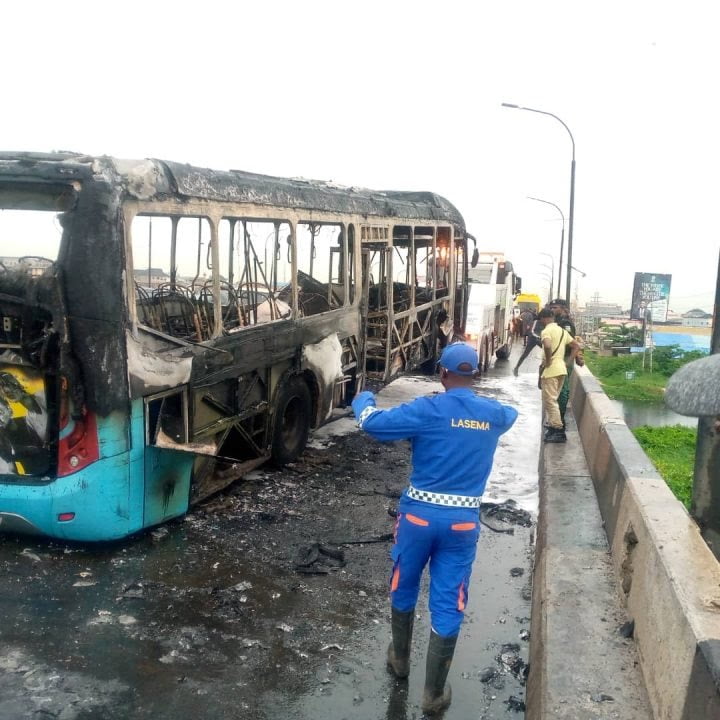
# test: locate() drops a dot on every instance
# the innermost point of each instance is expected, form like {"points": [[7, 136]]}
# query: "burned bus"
{"points": [[164, 329]]}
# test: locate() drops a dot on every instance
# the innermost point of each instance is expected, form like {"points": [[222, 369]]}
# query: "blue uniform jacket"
{"points": [[453, 436]]}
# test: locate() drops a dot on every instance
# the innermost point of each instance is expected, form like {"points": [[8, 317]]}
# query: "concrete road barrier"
{"points": [[581, 665], [666, 575]]}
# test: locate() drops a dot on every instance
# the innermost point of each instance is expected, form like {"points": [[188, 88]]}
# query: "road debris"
{"points": [[134, 591], [508, 512], [515, 704], [510, 659], [159, 533], [219, 606], [385, 537], [318, 559]]}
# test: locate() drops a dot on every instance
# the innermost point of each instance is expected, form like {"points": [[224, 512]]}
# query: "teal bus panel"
{"points": [[167, 484]]}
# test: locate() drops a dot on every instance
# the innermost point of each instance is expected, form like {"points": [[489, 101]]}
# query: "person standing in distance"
{"points": [[554, 370], [453, 439], [563, 319]]}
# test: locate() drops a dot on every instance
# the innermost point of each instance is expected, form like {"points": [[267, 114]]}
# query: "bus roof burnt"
{"points": [[157, 178], [240, 186]]}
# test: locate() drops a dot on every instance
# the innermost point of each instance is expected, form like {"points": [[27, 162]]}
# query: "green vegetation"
{"points": [[645, 386], [672, 451], [622, 334], [671, 448]]}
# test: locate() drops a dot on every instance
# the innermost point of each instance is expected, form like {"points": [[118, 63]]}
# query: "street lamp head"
{"points": [[572, 185], [547, 202]]}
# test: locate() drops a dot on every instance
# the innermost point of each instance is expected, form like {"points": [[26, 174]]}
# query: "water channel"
{"points": [[654, 414]]}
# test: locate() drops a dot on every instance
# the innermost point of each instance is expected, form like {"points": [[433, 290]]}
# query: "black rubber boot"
{"points": [[398, 654], [555, 435], [437, 693]]}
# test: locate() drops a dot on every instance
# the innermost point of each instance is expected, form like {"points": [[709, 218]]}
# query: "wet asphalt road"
{"points": [[207, 617]]}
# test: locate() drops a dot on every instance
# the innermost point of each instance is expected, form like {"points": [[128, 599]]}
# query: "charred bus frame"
{"points": [[196, 323]]}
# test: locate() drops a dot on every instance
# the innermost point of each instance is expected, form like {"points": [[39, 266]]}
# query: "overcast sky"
{"points": [[407, 95]]}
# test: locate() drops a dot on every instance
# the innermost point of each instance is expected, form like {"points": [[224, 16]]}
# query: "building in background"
{"points": [[152, 278], [597, 308], [36, 266], [696, 318]]}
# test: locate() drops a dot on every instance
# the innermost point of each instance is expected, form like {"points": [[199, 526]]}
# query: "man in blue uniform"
{"points": [[453, 437]]}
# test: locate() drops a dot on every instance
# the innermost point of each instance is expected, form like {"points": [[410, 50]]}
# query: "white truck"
{"points": [[491, 288]]}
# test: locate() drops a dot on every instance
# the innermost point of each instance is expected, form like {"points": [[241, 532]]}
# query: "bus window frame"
{"points": [[214, 213], [148, 400]]}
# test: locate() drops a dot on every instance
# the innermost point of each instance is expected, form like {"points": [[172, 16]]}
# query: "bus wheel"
{"points": [[291, 421], [486, 357]]}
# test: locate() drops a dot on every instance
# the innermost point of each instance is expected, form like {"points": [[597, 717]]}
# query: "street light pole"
{"points": [[551, 268], [562, 238], [572, 188], [549, 278]]}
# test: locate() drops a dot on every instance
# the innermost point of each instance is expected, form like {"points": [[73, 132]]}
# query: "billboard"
{"points": [[651, 292]]}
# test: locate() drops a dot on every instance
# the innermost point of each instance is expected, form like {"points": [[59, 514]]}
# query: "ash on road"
{"points": [[270, 601]]}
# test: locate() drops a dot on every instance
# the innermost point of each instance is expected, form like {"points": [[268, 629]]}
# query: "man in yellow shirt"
{"points": [[554, 341]]}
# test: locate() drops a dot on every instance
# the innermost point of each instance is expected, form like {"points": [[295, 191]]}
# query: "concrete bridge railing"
{"points": [[666, 575]]}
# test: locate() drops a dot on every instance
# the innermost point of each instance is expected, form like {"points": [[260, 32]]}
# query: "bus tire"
{"points": [[291, 421], [503, 352]]}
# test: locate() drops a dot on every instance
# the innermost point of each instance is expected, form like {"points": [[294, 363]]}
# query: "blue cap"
{"points": [[459, 358]]}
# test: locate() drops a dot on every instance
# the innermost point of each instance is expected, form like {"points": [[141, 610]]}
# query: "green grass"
{"points": [[672, 451], [671, 448], [610, 371]]}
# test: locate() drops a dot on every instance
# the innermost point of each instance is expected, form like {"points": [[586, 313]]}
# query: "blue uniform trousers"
{"points": [[447, 539]]}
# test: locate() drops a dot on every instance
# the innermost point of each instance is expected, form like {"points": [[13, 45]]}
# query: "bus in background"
{"points": [[170, 328], [528, 301], [492, 289]]}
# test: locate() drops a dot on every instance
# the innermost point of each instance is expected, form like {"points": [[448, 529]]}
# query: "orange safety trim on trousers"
{"points": [[395, 578], [415, 520], [461, 597], [464, 526]]}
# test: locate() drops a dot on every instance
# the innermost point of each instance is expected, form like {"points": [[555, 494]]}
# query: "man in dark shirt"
{"points": [[532, 328]]}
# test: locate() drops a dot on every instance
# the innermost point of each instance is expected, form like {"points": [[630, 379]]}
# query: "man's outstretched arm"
{"points": [[398, 423]]}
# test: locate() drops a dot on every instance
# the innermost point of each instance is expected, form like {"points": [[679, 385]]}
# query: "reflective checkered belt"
{"points": [[443, 498]]}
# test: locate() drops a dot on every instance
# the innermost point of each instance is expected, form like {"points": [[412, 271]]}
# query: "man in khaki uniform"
{"points": [[554, 341]]}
